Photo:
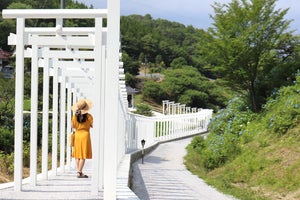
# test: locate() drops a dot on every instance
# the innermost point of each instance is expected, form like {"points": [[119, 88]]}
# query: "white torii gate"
{"points": [[105, 79]]}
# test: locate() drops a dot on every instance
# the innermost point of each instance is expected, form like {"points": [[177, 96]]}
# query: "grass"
{"points": [[253, 156], [267, 168]]}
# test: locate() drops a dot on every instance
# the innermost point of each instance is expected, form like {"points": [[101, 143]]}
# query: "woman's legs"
{"points": [[80, 164], [77, 163]]}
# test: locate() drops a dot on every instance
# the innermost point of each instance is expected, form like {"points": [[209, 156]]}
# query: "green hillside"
{"points": [[255, 156]]}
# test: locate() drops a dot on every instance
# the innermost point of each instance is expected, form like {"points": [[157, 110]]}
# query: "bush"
{"points": [[283, 111], [143, 109], [233, 119], [226, 129], [153, 90], [6, 140], [7, 163], [197, 144], [220, 149]]}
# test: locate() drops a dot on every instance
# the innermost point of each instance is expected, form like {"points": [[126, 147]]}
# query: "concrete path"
{"points": [[63, 186], [164, 176]]}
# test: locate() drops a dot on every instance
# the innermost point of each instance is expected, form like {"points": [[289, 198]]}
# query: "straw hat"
{"points": [[84, 105]]}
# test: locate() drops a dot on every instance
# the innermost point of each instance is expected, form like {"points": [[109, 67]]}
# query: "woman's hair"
{"points": [[80, 117]]}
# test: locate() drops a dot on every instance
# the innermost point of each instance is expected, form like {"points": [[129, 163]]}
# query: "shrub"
{"points": [[226, 129], [7, 163], [143, 109], [197, 144], [220, 149], [6, 140], [153, 90], [283, 111]]}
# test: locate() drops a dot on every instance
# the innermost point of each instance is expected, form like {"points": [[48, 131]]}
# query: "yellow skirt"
{"points": [[82, 145]]}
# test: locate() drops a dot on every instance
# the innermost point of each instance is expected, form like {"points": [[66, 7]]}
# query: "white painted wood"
{"points": [[64, 30], [54, 13], [77, 64], [54, 120], [97, 108], [87, 76], [102, 115], [69, 118], [62, 41], [19, 91], [62, 129], [68, 54], [34, 117], [111, 99], [45, 128]]}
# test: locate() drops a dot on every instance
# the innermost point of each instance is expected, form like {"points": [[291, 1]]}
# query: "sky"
{"points": [[189, 12]]}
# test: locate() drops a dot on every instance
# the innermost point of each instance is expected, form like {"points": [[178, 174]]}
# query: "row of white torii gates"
{"points": [[84, 62]]}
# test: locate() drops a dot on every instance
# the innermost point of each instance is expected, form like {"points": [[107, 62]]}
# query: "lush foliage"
{"points": [[158, 43], [223, 142], [250, 46], [257, 146], [187, 86], [283, 109], [143, 109]]}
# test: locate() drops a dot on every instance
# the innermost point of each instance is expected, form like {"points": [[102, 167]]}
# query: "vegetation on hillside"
{"points": [[253, 156], [252, 149], [187, 86]]}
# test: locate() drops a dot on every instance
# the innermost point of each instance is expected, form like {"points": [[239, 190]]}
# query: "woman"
{"points": [[82, 121]]}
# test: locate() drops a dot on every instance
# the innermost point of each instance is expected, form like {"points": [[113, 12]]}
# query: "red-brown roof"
{"points": [[4, 54]]}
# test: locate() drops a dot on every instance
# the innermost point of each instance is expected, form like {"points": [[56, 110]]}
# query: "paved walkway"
{"points": [[63, 186], [164, 176]]}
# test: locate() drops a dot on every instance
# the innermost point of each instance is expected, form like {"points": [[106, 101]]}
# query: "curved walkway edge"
{"points": [[164, 176]]}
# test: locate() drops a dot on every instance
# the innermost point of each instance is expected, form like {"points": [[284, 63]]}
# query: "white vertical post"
{"points": [[54, 120], [69, 118], [55, 112], [34, 115], [111, 100], [62, 130], [45, 119], [19, 98], [102, 116], [98, 120]]}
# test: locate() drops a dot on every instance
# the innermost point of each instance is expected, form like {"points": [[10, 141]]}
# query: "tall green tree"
{"points": [[249, 38]]}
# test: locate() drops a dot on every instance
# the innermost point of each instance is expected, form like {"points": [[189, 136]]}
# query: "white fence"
{"points": [[164, 127]]}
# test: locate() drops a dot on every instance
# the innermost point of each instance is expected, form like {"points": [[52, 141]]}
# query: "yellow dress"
{"points": [[82, 144]]}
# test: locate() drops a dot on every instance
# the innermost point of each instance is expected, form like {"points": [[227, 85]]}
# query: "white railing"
{"points": [[165, 127]]}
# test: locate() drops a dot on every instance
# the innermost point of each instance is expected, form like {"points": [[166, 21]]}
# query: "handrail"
{"points": [[166, 127]]}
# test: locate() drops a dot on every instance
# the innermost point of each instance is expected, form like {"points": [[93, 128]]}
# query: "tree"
{"points": [[178, 63], [6, 102], [247, 38], [154, 91]]}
